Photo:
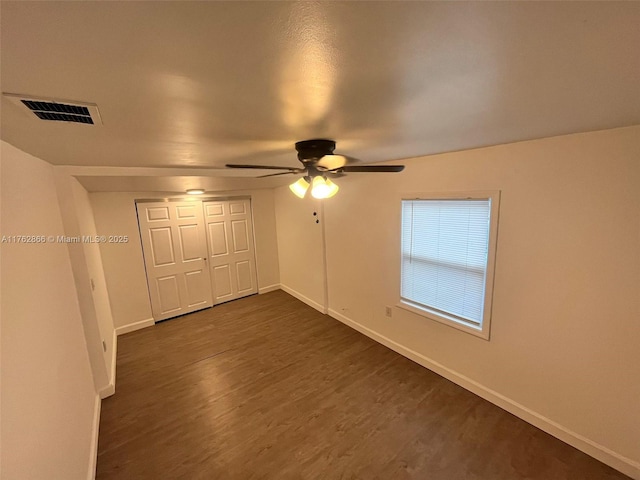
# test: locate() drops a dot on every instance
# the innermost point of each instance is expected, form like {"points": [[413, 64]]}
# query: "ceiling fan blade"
{"points": [[262, 167], [335, 173], [371, 168], [332, 162], [281, 173]]}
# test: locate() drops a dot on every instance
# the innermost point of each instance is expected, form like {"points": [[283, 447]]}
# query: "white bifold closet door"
{"points": [[175, 255], [231, 249]]}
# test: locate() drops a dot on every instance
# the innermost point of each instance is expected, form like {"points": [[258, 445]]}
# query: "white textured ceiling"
{"points": [[201, 84]]}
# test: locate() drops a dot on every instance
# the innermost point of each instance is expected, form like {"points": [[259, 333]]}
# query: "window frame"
{"points": [[484, 330]]}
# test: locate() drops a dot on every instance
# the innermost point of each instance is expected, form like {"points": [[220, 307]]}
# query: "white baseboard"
{"points": [[93, 448], [615, 460], [132, 327], [269, 288], [304, 299], [107, 391], [114, 358], [111, 388]]}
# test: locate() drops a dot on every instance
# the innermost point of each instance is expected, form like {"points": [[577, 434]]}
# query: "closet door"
{"points": [[232, 261], [175, 256]]}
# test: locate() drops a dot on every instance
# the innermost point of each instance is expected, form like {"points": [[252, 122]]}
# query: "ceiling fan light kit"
{"points": [[300, 187], [323, 188], [319, 162]]}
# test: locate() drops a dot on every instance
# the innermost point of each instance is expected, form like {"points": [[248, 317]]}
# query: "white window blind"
{"points": [[445, 247]]}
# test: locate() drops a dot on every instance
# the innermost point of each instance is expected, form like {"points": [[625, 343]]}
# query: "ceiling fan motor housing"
{"points": [[311, 150]]}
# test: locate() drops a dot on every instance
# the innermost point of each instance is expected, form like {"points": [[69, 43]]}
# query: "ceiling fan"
{"points": [[318, 164]]}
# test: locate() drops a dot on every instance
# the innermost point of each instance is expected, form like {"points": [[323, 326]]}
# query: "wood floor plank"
{"points": [[268, 388]]}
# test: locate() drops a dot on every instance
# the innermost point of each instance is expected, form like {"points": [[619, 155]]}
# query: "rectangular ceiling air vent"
{"points": [[57, 110]]}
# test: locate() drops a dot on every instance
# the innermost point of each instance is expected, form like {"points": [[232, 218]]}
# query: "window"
{"points": [[448, 250]]}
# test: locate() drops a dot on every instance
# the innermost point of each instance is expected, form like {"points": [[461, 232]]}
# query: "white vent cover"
{"points": [[57, 110]]}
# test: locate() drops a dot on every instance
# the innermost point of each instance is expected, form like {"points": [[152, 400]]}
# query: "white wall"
{"points": [[115, 214], [300, 247], [49, 404], [95, 271], [264, 222], [564, 350], [86, 265]]}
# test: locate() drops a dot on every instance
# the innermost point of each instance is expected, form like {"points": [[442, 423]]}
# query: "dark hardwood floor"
{"points": [[268, 388]]}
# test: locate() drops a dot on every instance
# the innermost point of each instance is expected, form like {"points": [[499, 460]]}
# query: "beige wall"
{"points": [[115, 214], [49, 404], [566, 311]]}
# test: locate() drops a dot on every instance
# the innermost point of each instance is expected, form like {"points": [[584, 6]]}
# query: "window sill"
{"points": [[446, 320]]}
